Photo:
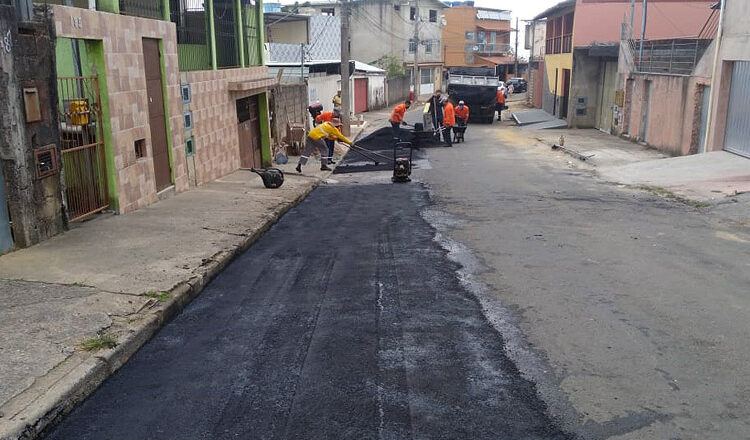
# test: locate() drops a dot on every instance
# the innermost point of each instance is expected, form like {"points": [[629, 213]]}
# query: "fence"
{"points": [[677, 57], [143, 8], [397, 88], [225, 26], [82, 145]]}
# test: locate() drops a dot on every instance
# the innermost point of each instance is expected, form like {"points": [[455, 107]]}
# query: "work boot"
{"points": [[299, 168], [324, 167]]}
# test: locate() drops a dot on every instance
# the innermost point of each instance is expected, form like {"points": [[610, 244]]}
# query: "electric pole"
{"points": [[643, 36], [345, 95], [516, 50], [415, 71]]}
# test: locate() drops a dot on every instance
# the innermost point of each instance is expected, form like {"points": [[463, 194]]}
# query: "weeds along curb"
{"points": [[56, 394]]}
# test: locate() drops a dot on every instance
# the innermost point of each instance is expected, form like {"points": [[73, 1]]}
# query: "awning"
{"points": [[496, 60], [493, 27], [258, 85]]}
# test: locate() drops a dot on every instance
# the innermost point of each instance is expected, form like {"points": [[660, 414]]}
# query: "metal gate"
{"points": [[6, 239], [737, 135], [82, 144]]}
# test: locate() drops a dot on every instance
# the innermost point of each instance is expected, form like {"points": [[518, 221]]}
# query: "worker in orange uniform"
{"points": [[500, 106], [449, 120], [397, 118], [462, 113], [316, 141], [329, 116]]}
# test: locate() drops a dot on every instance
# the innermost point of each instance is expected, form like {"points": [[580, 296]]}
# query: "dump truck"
{"points": [[477, 88]]}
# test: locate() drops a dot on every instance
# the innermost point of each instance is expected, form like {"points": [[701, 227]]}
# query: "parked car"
{"points": [[519, 84]]}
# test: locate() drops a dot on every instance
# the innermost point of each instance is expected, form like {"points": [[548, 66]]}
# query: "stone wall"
{"points": [[27, 61]]}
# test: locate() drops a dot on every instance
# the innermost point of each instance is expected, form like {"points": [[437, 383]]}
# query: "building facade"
{"points": [[383, 31], [475, 36], [557, 66], [729, 118]]}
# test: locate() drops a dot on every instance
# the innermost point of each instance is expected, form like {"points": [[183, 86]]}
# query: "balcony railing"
{"points": [[487, 48], [559, 44], [143, 8]]}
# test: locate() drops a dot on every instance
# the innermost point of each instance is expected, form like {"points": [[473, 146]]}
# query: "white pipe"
{"points": [[717, 49]]}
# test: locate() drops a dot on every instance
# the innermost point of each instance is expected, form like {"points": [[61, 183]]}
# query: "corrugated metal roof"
{"points": [[557, 8], [489, 14]]}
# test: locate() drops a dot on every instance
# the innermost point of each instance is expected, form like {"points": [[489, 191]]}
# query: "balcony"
{"points": [[559, 44]]}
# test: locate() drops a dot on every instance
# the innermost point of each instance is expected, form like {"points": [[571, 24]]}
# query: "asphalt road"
{"points": [[627, 310], [347, 320]]}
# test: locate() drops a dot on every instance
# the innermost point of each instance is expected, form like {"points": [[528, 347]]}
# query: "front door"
{"points": [[565, 93], [360, 95], [156, 116], [249, 132], [6, 240]]}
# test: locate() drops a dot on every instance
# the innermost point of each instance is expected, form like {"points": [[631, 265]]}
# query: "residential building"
{"points": [[558, 57], [729, 125], [475, 36], [583, 47], [666, 81], [535, 42], [156, 97], [385, 30]]}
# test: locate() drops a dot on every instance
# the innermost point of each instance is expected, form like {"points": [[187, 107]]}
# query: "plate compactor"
{"points": [[402, 162]]}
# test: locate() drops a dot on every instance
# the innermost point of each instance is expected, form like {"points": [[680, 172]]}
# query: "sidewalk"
{"points": [[113, 282]]}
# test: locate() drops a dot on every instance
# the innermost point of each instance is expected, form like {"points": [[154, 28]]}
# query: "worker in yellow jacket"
{"points": [[316, 140]]}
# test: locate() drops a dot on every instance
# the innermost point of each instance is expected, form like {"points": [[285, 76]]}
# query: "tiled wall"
{"points": [[215, 118], [121, 37]]}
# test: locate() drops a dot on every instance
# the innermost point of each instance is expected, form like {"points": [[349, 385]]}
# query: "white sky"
{"points": [[523, 9]]}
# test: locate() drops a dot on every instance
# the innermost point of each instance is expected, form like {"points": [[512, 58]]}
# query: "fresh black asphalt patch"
{"points": [[345, 321]]}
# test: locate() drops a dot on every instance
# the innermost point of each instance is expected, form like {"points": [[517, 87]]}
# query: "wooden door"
{"points": [[248, 130], [360, 95], [565, 93], [156, 117]]}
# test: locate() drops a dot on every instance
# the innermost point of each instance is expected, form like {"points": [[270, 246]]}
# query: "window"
{"points": [[493, 37], [328, 11], [412, 46], [469, 59], [426, 74], [412, 13], [396, 7], [480, 37], [470, 35], [428, 46], [433, 16]]}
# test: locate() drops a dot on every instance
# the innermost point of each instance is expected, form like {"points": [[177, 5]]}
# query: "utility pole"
{"points": [[516, 49], [415, 71], [643, 35], [302, 63], [345, 95], [632, 17]]}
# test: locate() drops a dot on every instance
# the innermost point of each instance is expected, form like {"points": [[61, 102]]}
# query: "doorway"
{"points": [[156, 114], [248, 130], [565, 93], [360, 95]]}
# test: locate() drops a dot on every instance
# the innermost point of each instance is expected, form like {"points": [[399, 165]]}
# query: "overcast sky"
{"points": [[523, 9]]}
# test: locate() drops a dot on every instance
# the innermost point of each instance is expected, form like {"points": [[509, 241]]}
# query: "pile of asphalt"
{"points": [[381, 142]]}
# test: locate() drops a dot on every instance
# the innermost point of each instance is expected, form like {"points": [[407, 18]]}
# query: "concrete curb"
{"points": [[56, 394]]}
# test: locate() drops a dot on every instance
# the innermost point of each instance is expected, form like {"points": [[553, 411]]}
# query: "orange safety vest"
{"points": [[462, 114], [500, 97], [398, 113], [449, 116]]}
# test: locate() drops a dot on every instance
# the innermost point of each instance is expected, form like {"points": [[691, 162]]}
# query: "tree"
{"points": [[391, 64]]}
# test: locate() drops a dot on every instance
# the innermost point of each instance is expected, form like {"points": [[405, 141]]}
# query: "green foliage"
{"points": [[392, 65], [159, 296], [99, 343]]}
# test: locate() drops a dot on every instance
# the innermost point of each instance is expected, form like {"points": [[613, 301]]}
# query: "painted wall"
{"points": [[288, 32], [600, 21], [120, 68], [322, 87], [585, 90], [674, 113], [375, 92], [735, 46], [215, 122], [554, 86]]}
